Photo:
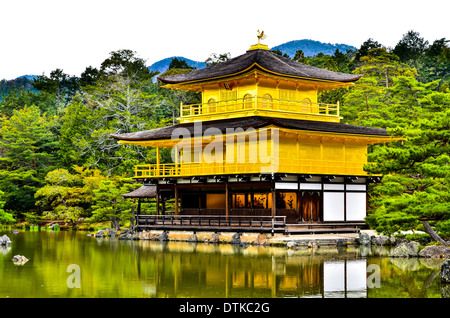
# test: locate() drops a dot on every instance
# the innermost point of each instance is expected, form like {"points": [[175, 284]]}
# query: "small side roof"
{"points": [[145, 191]]}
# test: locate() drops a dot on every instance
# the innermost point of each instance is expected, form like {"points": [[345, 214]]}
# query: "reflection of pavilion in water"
{"points": [[227, 273]]}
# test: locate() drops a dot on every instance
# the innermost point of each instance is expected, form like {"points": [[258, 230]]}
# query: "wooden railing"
{"points": [[259, 103], [284, 165], [255, 223]]}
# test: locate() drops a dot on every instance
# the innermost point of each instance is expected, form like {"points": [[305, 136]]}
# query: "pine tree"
{"points": [[28, 146], [415, 188]]}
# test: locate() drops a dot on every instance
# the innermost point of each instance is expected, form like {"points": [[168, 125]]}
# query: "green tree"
{"points": [[368, 103], [61, 195], [19, 98], [28, 146], [89, 77], [300, 57], [410, 48], [68, 196], [118, 106], [383, 66], [365, 48], [215, 58], [59, 84], [414, 191], [126, 64], [109, 204], [435, 64], [177, 63], [75, 132], [5, 217], [123, 99]]}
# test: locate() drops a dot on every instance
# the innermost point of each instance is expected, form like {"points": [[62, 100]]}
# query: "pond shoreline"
{"points": [[292, 241]]}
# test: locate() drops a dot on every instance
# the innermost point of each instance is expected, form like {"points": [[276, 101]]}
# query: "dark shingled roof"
{"points": [[143, 192], [254, 122], [265, 59]]}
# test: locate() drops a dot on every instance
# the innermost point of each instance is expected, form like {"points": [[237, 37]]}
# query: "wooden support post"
{"points": [[274, 200], [227, 201], [157, 162], [176, 160], [157, 203], [176, 200], [252, 196]]}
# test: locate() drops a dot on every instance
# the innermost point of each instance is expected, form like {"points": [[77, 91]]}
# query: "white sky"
{"points": [[38, 36]]}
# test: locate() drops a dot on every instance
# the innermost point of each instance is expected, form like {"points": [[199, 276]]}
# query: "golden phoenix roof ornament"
{"points": [[261, 36]]}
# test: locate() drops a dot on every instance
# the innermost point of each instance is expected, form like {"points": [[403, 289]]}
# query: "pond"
{"points": [[74, 265]]}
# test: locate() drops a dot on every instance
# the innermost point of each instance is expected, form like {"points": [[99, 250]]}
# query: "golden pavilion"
{"points": [[259, 153]]}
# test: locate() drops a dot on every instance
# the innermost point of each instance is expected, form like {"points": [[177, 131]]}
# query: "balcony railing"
{"points": [[258, 223], [262, 104], [290, 165]]}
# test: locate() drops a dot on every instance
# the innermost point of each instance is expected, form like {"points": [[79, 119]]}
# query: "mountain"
{"points": [[30, 77], [163, 65], [311, 47], [24, 81]]}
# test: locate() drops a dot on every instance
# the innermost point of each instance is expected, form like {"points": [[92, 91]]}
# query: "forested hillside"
{"points": [[311, 47], [164, 64], [58, 161], [23, 82]]}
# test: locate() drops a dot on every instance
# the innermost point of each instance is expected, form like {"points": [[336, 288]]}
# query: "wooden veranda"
{"points": [[262, 220]]}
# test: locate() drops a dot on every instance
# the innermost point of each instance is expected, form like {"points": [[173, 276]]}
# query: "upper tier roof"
{"points": [[260, 59]]}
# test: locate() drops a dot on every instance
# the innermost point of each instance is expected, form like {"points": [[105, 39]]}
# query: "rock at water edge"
{"points": [[445, 271]]}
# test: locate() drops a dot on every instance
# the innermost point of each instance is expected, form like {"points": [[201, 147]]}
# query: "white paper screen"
{"points": [[333, 206], [356, 206]]}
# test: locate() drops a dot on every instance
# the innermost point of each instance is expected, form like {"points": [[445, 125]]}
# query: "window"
{"points": [[248, 101], [227, 100], [267, 101], [228, 95], [287, 94], [305, 106], [212, 105], [287, 97]]}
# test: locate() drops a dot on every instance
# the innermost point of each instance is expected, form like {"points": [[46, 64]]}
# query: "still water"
{"points": [[71, 264]]}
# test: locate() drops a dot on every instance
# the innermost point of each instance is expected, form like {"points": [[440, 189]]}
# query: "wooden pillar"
{"points": [[274, 201], [157, 161], [157, 203], [176, 160], [176, 200], [227, 200], [252, 196], [274, 210]]}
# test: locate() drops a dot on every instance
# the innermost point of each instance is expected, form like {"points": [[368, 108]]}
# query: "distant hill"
{"points": [[24, 81], [30, 77], [163, 65], [311, 47]]}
